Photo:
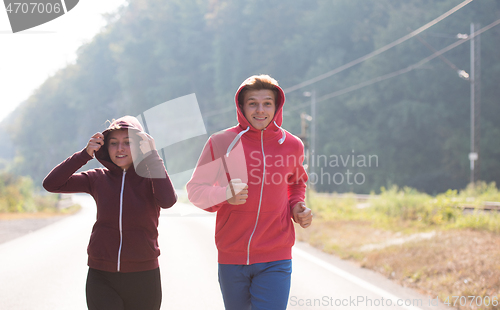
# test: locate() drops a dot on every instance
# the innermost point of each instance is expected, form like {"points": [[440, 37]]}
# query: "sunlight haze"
{"points": [[29, 57]]}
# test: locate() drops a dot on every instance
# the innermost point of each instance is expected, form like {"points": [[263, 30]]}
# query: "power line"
{"points": [[357, 61], [382, 77], [430, 47], [380, 50], [398, 72]]}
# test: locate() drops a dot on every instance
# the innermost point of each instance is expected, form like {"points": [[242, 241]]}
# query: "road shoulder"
{"points": [[355, 273]]}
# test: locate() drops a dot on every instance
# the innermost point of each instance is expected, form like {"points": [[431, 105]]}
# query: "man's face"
{"points": [[259, 107]]}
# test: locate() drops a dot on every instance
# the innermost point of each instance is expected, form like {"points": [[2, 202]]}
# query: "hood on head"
{"points": [[126, 122], [278, 115]]}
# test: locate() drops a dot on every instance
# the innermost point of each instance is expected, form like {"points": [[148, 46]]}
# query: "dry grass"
{"points": [[46, 213], [342, 238], [452, 263]]}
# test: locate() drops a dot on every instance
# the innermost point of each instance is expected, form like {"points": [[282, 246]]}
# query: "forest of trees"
{"points": [[415, 128]]}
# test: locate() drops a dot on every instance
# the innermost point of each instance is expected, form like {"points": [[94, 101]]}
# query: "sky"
{"points": [[29, 57]]}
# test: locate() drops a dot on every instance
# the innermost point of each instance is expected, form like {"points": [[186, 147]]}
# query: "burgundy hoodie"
{"points": [[270, 162], [125, 235]]}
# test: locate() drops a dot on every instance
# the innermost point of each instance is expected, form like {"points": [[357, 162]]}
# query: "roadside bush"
{"points": [[480, 220], [331, 207], [407, 206], [482, 191], [17, 195]]}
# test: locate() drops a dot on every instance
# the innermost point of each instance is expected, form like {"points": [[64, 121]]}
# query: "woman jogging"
{"points": [[129, 192], [252, 175]]}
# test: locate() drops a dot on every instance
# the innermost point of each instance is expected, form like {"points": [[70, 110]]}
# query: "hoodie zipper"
{"points": [[260, 198], [120, 224]]}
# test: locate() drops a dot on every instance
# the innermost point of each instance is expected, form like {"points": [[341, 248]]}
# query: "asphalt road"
{"points": [[47, 269]]}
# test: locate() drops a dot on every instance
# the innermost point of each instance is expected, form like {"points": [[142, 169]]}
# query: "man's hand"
{"points": [[302, 214], [240, 192]]}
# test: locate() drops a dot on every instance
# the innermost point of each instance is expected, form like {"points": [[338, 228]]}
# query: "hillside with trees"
{"points": [[414, 127]]}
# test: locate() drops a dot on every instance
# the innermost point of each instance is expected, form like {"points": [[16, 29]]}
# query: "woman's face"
{"points": [[259, 107], [119, 148]]}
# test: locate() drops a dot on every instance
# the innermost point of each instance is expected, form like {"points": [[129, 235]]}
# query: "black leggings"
{"points": [[123, 291]]}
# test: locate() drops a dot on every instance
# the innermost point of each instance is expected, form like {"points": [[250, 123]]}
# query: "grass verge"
{"points": [[18, 199], [424, 242]]}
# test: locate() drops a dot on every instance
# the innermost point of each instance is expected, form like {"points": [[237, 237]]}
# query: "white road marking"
{"points": [[351, 278]]}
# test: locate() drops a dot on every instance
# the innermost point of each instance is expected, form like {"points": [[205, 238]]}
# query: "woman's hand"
{"points": [[147, 144], [95, 143], [240, 190], [302, 214]]}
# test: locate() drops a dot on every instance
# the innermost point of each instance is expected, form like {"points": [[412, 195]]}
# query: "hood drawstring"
{"points": [[236, 140], [280, 141]]}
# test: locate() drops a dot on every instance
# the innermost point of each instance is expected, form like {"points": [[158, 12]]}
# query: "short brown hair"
{"points": [[258, 82]]}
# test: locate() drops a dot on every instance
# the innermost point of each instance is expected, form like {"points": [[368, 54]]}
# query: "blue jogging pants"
{"points": [[262, 286]]}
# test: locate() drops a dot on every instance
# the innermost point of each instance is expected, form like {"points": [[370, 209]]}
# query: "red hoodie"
{"points": [[270, 162], [125, 235]]}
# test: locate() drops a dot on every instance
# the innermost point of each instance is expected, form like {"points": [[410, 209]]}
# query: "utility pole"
{"points": [[312, 137], [474, 79], [304, 118], [475, 104], [313, 129]]}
